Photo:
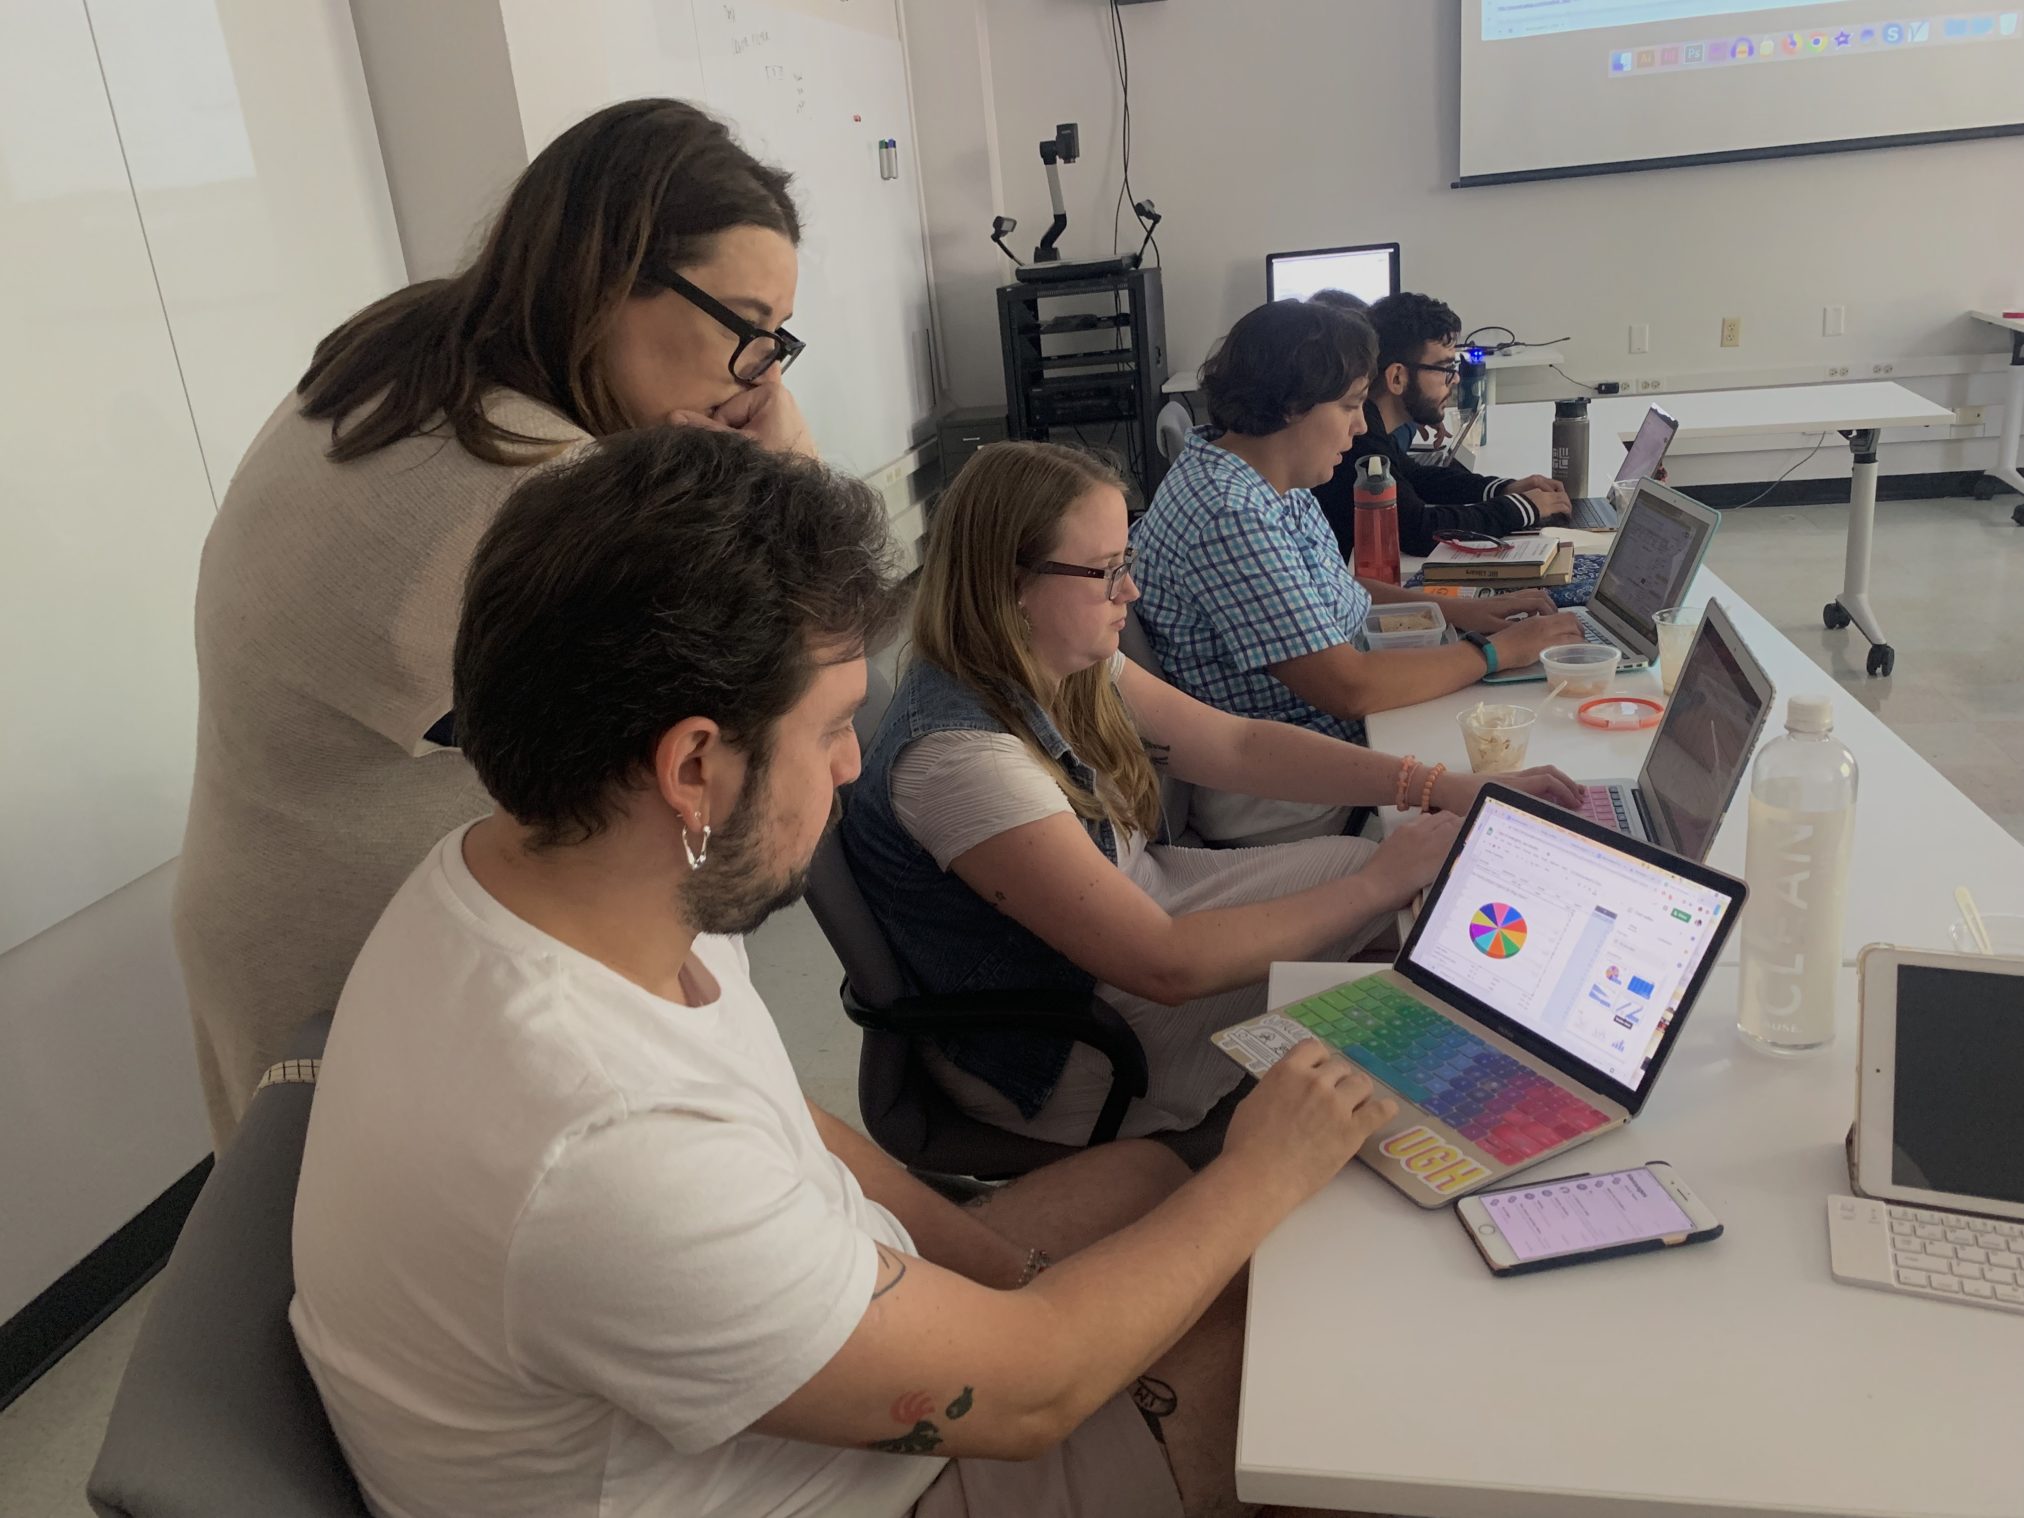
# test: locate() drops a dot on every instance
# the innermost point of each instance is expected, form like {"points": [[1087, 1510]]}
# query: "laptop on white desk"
{"points": [[1647, 452], [1533, 1005], [1700, 751], [1652, 562]]}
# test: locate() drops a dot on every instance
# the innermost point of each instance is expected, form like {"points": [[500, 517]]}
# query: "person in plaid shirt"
{"points": [[1246, 601]]}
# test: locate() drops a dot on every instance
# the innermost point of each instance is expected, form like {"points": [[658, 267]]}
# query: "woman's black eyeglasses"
{"points": [[1112, 576], [759, 348]]}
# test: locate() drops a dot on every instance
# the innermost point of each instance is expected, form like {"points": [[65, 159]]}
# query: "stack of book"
{"points": [[1520, 564]]}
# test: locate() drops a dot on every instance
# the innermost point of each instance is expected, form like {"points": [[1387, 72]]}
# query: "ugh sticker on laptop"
{"points": [[1432, 1161]]}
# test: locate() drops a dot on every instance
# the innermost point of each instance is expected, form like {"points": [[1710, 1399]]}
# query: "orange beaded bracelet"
{"points": [[1427, 795], [1405, 781]]}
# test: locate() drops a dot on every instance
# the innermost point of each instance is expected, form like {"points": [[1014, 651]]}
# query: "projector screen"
{"points": [[1557, 88]]}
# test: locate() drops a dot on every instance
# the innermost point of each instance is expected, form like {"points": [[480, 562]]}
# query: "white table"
{"points": [[1859, 412], [1385, 1370], [1188, 381], [2013, 409], [1916, 835]]}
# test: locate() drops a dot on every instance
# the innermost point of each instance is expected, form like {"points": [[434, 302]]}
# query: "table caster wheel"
{"points": [[1834, 615], [2017, 516], [1882, 660]]}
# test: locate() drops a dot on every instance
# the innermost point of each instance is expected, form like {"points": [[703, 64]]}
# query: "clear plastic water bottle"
{"points": [[1802, 822]]}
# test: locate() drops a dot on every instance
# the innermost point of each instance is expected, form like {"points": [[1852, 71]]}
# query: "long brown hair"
{"points": [[646, 183], [1004, 512]]}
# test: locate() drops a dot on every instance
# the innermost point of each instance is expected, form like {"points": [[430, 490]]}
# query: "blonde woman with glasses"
{"points": [[1006, 823]]}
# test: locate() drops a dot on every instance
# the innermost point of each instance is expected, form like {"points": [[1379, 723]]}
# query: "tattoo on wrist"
{"points": [[917, 1408]]}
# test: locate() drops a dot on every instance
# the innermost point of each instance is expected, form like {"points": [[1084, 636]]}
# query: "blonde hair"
{"points": [[1001, 514]]}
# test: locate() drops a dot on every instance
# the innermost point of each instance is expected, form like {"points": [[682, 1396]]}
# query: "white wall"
{"points": [[1300, 123], [190, 196]]}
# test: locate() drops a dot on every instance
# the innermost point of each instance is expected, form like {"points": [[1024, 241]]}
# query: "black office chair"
{"points": [[216, 1415], [905, 1110]]}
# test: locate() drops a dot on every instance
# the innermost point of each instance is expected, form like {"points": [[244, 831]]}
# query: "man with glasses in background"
{"points": [[1416, 373]]}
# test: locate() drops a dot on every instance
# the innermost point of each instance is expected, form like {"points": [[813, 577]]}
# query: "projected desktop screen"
{"points": [[1566, 85], [1369, 271]]}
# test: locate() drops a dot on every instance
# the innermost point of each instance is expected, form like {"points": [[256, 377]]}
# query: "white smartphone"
{"points": [[1545, 1224]]}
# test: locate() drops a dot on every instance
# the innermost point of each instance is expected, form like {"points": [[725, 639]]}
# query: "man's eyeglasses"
{"points": [[1112, 577], [759, 348], [1452, 369]]}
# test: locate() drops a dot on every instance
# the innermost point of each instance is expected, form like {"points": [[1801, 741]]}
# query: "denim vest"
{"points": [[947, 938]]}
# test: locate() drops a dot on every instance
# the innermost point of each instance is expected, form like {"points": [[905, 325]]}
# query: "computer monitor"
{"points": [[1369, 270]]}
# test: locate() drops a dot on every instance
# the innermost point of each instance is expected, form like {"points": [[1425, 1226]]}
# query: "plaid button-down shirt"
{"points": [[1235, 577]]}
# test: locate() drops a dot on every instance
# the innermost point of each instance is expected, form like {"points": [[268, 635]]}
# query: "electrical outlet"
{"points": [[1968, 416], [1640, 337], [1838, 372], [1834, 321], [1651, 384], [1732, 332], [1883, 368]]}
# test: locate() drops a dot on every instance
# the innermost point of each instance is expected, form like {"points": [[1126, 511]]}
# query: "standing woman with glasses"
{"points": [[642, 271], [1005, 822]]}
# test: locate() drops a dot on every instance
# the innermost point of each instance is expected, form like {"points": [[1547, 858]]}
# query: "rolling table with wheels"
{"points": [[1859, 412], [2013, 407]]}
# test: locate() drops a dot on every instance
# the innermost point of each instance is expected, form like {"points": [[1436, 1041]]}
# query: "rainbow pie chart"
{"points": [[1497, 931]]}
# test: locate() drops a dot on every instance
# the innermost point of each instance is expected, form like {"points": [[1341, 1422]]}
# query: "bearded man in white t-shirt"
{"points": [[569, 1239]]}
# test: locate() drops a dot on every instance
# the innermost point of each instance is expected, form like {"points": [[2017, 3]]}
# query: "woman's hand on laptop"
{"points": [[1521, 643], [1310, 1114], [1411, 856], [1457, 793], [1492, 614]]}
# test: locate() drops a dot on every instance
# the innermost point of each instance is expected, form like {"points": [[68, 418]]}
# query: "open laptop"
{"points": [[1700, 751], [1602, 513], [1532, 1007], [1656, 554]]}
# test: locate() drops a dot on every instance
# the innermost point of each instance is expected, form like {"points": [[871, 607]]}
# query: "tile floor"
{"points": [[1948, 576]]}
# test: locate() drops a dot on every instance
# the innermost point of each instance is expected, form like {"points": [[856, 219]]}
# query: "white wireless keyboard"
{"points": [[1946, 1256]]}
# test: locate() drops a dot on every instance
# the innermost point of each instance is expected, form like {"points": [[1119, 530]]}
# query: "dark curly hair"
{"points": [[659, 575], [1407, 322], [1281, 361]]}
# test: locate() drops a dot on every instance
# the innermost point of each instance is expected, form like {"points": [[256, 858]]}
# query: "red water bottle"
{"points": [[1377, 522]]}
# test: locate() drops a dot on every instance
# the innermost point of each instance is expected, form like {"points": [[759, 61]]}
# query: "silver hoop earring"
{"points": [[697, 859]]}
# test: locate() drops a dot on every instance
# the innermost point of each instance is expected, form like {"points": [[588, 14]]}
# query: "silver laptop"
{"points": [[1543, 986], [1603, 513], [1700, 751], [1656, 554]]}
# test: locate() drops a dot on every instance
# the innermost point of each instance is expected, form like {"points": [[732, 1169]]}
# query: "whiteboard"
{"points": [[814, 87]]}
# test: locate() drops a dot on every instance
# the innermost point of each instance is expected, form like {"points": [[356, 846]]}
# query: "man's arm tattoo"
{"points": [[892, 1269], [925, 1437]]}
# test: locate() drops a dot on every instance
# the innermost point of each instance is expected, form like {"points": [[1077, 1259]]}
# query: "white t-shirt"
{"points": [[955, 789], [559, 1242]]}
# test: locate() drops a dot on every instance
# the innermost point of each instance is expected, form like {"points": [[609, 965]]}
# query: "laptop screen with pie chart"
{"points": [[1587, 942]]}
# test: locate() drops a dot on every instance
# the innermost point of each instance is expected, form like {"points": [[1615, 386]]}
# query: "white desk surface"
{"points": [[1521, 436], [1386, 1370], [1189, 380], [1916, 835], [1997, 319]]}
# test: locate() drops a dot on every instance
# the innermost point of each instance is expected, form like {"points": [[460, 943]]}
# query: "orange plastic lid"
{"points": [[1628, 712]]}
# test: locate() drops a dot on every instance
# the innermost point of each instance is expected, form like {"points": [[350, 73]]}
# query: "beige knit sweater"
{"points": [[327, 608]]}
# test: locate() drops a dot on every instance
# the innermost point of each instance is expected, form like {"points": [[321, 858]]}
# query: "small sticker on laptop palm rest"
{"points": [[1492, 1100]]}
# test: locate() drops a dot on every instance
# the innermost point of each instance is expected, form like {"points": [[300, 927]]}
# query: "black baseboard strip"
{"points": [[39, 1335], [1890, 487]]}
